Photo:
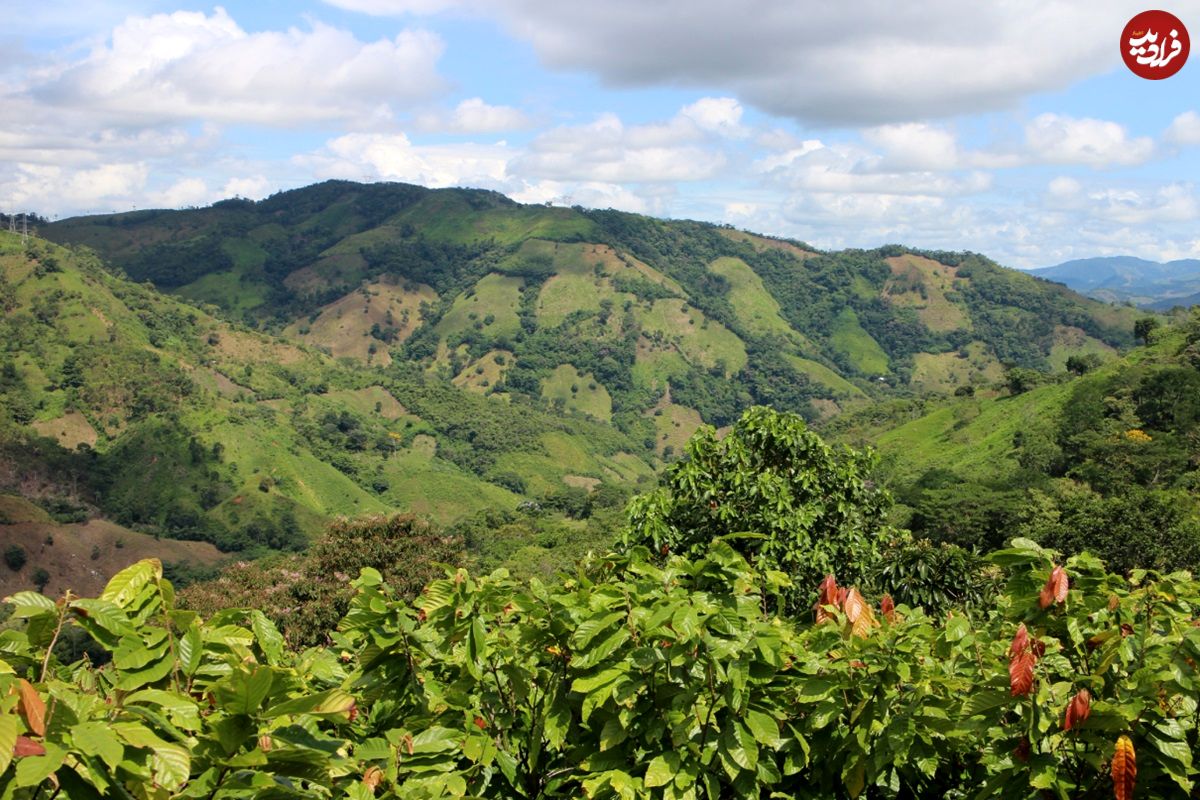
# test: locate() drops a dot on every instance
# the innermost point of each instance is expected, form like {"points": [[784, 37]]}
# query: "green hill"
{"points": [[119, 402], [1108, 460], [719, 318]]}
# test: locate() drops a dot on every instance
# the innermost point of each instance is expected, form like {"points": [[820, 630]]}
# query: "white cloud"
{"points": [[854, 62], [189, 65], [184, 192], [1057, 139], [1184, 129], [721, 115], [373, 156], [253, 187], [474, 116], [607, 151], [844, 168]]}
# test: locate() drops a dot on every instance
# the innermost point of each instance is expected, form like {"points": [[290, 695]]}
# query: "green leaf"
{"points": [[269, 638], [662, 770], [330, 702], [172, 765], [32, 770], [28, 604], [105, 621], [127, 583], [764, 727], [8, 738], [98, 739], [191, 648], [244, 691], [590, 628]]}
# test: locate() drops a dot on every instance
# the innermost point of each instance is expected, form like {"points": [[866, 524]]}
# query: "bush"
{"points": [[15, 557]]}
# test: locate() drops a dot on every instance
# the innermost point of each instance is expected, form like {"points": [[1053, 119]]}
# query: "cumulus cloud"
{"points": [[815, 166], [1184, 129], [191, 65], [608, 151], [856, 62], [473, 116], [1058, 139], [375, 156]]}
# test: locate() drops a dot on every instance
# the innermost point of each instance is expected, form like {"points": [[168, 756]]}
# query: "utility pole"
{"points": [[24, 228]]}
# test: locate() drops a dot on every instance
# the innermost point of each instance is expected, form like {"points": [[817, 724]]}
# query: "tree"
{"points": [[15, 557], [1082, 364], [40, 578], [1144, 327], [792, 502]]}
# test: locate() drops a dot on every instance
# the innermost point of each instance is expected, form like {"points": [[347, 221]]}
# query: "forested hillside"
{"points": [[653, 325], [1105, 458], [117, 401]]}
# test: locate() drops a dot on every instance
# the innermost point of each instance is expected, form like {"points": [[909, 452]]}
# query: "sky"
{"points": [[1010, 128]]}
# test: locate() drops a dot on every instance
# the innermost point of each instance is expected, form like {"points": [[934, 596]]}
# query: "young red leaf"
{"points": [[1020, 642], [887, 607], [1124, 769], [32, 708], [25, 746], [1055, 590], [827, 595], [1020, 673], [1078, 709]]}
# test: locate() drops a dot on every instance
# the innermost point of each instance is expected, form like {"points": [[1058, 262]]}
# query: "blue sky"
{"points": [[1010, 128]]}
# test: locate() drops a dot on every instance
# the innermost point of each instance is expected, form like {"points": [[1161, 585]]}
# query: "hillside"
{"points": [[649, 324], [123, 405], [1108, 460], [1120, 279]]}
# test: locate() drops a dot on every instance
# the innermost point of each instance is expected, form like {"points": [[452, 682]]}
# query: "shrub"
{"points": [[15, 557]]}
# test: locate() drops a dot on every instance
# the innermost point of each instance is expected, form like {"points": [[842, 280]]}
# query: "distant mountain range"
{"points": [[1120, 279]]}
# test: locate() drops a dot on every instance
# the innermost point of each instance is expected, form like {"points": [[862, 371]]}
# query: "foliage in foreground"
{"points": [[632, 679]]}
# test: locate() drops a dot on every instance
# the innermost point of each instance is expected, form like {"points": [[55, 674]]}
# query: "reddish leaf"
{"points": [[372, 778], [1020, 642], [1021, 751], [1055, 590], [827, 596], [1020, 673], [887, 607], [1124, 769], [1078, 709], [32, 708], [27, 747], [858, 614]]}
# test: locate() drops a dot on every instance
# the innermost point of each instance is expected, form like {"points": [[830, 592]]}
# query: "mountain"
{"points": [[119, 404], [1120, 279], [1107, 461], [244, 373], [650, 324]]}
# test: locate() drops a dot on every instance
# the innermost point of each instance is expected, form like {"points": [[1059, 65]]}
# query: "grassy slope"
{"points": [[251, 397]]}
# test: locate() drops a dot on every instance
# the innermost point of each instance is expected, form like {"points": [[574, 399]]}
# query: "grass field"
{"points": [[699, 339], [579, 391], [1070, 341], [823, 375], [81, 556], [922, 283], [673, 426], [849, 339], [752, 303], [946, 371], [344, 326], [483, 374], [489, 307]]}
